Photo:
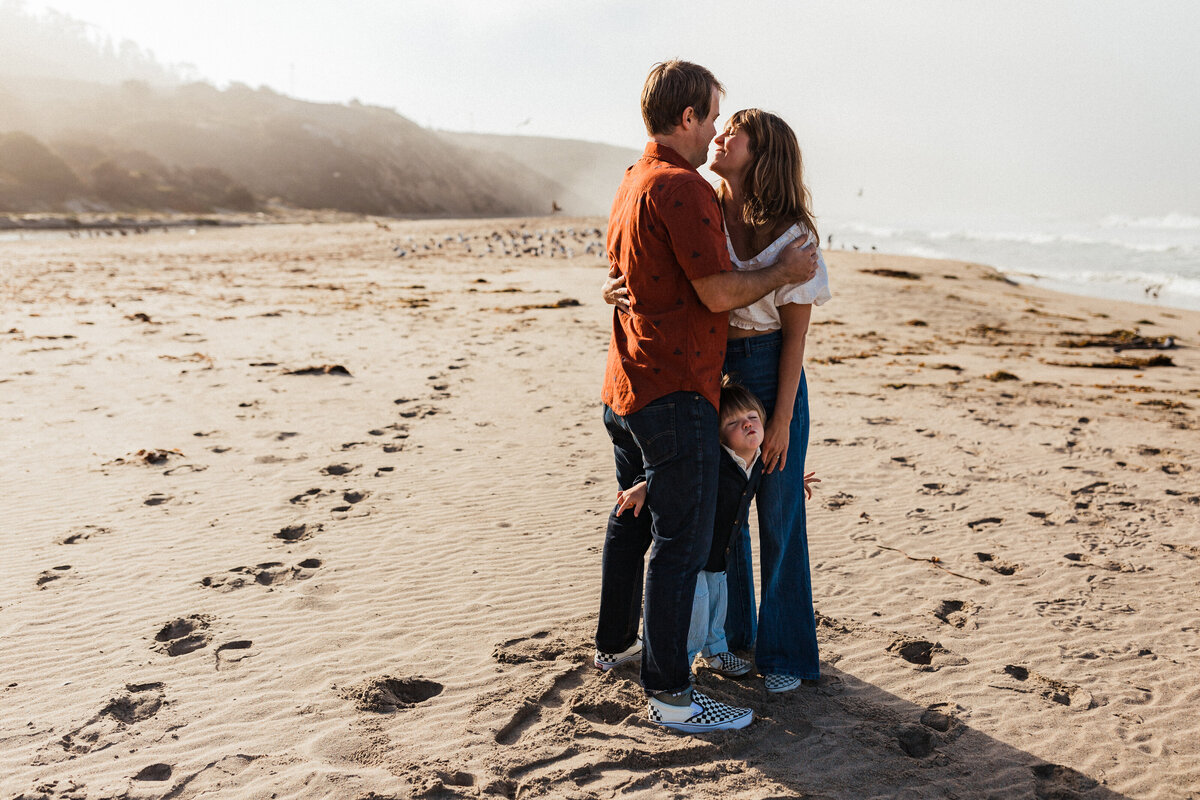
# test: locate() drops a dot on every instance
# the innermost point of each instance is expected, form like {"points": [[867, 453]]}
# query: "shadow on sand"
{"points": [[556, 727]]}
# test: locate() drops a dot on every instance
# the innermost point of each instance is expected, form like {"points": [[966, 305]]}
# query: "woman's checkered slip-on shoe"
{"points": [[606, 661], [778, 682], [727, 664], [704, 714]]}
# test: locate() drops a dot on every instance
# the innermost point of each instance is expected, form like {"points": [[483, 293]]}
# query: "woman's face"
{"points": [[732, 154]]}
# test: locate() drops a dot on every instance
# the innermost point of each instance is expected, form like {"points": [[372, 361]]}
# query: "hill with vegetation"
{"points": [[74, 146], [89, 125]]}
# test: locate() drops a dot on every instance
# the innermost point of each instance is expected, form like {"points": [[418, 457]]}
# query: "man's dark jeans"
{"points": [[673, 443]]}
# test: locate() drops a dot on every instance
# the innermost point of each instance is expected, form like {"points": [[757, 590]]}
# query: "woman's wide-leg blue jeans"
{"points": [[784, 632]]}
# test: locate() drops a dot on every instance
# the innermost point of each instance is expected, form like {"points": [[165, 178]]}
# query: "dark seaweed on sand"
{"points": [[1118, 340]]}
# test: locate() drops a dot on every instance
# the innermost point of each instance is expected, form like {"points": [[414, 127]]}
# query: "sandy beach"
{"points": [[309, 511]]}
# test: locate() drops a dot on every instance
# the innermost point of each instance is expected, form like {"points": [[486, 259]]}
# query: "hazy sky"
{"points": [[1075, 108]]}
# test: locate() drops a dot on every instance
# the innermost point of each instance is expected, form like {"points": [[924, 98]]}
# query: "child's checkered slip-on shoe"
{"points": [[727, 664], [704, 714], [778, 682], [606, 661]]}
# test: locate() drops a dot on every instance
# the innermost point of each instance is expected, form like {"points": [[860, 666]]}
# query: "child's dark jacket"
{"points": [[734, 492]]}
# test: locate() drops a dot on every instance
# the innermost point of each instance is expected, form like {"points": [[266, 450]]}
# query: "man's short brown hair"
{"points": [[671, 87]]}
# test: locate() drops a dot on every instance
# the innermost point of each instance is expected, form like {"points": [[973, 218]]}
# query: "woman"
{"points": [[766, 206]]}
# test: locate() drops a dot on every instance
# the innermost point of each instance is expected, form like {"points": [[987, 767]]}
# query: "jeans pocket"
{"points": [[654, 431]]}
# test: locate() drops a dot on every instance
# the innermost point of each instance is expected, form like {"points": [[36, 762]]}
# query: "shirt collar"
{"points": [[662, 152], [746, 466]]}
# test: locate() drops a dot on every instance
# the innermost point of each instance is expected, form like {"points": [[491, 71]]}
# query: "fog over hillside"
{"points": [[86, 125], [53, 44], [590, 171]]}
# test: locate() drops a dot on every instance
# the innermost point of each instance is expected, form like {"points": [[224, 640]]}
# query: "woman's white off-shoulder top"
{"points": [[763, 315]]}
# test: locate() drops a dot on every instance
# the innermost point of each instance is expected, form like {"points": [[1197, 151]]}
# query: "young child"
{"points": [[741, 430]]}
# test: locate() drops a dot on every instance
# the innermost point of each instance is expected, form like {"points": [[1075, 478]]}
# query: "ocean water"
{"points": [[1153, 260]]}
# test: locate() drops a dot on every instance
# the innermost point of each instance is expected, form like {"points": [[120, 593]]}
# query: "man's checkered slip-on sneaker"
{"points": [[704, 714], [606, 661], [727, 664], [778, 682]]}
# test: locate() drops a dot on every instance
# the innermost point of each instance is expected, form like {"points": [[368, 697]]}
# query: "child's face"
{"points": [[742, 431]]}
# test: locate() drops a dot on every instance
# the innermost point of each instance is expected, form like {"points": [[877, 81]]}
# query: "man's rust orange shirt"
{"points": [[664, 232]]}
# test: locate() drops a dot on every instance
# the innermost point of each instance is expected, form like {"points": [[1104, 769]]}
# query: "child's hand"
{"points": [[810, 479], [634, 497]]}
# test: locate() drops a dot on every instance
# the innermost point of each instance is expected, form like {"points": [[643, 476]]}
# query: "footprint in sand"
{"points": [[916, 741], [942, 717], [339, 469], [1064, 694], [184, 635], [542, 699], [298, 533], [271, 573], [84, 533], [141, 702], [938, 725], [307, 497], [959, 613], [386, 694], [439, 386], [154, 772], [138, 703], [839, 500], [940, 489], [1080, 560], [925, 656], [540, 646], [1001, 567], [399, 431], [350, 497], [1053, 782], [51, 575], [419, 411], [184, 469], [157, 499], [232, 653]]}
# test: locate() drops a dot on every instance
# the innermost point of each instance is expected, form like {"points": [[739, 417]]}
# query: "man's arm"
{"points": [[729, 290]]}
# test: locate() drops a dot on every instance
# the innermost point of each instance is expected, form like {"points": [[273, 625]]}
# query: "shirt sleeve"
{"points": [[815, 292], [695, 230]]}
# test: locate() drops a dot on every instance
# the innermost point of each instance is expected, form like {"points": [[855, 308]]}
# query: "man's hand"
{"points": [[614, 291], [799, 261]]}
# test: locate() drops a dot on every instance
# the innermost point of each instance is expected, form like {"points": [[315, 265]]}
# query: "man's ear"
{"points": [[688, 118]]}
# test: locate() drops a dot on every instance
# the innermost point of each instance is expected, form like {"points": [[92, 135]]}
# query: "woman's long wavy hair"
{"points": [[774, 187]]}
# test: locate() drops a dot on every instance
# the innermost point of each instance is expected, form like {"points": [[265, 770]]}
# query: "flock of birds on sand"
{"points": [[520, 243], [509, 243]]}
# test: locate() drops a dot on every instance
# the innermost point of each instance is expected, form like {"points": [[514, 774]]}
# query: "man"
{"points": [[662, 388]]}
